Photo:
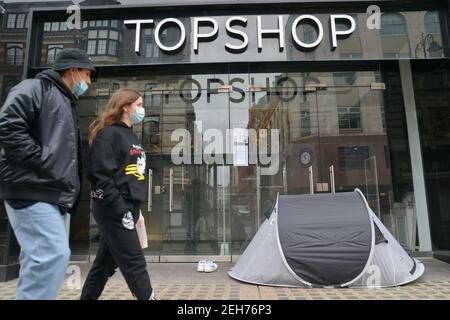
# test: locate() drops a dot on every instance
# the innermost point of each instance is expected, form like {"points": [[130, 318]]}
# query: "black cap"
{"points": [[72, 58]]}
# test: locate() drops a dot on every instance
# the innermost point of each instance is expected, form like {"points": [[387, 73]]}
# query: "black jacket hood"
{"points": [[56, 79]]}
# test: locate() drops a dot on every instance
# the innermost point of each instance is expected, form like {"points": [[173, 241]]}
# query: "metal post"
{"points": [[171, 190], [285, 185], [150, 190], [333, 187], [258, 196], [311, 180], [224, 247]]}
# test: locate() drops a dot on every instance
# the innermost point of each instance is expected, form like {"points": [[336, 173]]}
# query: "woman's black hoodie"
{"points": [[116, 168]]}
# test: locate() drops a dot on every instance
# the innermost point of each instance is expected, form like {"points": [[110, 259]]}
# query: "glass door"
{"points": [[185, 134]]}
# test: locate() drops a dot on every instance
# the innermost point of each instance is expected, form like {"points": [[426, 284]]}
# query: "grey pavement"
{"points": [[181, 281]]}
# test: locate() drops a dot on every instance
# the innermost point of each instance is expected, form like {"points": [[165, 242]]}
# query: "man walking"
{"points": [[40, 169]]}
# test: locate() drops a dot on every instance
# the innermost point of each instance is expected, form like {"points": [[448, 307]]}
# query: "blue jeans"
{"points": [[41, 232]]}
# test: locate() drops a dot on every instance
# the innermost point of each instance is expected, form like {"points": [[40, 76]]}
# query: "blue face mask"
{"points": [[138, 115], [80, 88]]}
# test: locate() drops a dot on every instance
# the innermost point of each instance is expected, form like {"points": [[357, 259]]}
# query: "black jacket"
{"points": [[116, 168], [40, 141]]}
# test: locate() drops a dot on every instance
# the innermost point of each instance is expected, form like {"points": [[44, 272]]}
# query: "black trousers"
{"points": [[119, 247]]}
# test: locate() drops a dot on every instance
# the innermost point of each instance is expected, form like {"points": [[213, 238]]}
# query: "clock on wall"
{"points": [[306, 157]]}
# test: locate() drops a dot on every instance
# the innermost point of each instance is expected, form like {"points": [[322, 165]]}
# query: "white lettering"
{"points": [[138, 24], [182, 37], [237, 32], [198, 35], [335, 33], [319, 27], [279, 31]]}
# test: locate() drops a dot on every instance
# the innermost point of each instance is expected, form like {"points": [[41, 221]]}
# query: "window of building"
{"points": [[151, 129], [92, 47], [151, 100], [63, 26], [309, 33], [102, 42], [344, 78], [92, 34], [55, 26], [11, 24], [14, 53], [16, 21], [305, 122], [349, 117], [114, 35], [151, 49], [52, 51], [147, 32], [115, 86], [432, 24], [393, 24], [20, 22], [352, 158], [103, 34], [101, 49], [112, 48]]}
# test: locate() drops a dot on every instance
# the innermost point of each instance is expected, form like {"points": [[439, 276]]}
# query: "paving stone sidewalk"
{"points": [[181, 281]]}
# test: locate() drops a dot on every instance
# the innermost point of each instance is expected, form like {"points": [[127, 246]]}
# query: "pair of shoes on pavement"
{"points": [[206, 266]]}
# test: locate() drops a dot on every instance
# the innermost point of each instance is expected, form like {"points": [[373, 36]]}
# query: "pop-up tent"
{"points": [[325, 240]]}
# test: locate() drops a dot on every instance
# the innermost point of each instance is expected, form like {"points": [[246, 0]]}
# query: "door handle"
{"points": [[150, 190], [171, 190]]}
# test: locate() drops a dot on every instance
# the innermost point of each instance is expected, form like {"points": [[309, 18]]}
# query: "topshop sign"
{"points": [[242, 34]]}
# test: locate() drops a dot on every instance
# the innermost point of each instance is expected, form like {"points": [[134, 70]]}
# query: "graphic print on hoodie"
{"points": [[137, 169], [116, 169]]}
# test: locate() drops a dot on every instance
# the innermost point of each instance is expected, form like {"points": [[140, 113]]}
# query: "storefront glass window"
{"points": [[216, 208]]}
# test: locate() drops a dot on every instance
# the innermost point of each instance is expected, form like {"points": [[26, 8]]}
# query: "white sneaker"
{"points": [[201, 266], [206, 266]]}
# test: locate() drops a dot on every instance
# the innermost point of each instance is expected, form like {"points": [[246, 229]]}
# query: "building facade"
{"points": [[246, 101]]}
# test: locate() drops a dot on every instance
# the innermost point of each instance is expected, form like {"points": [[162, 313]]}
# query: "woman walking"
{"points": [[116, 170]]}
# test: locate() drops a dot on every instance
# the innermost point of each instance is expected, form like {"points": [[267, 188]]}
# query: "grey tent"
{"points": [[325, 240]]}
